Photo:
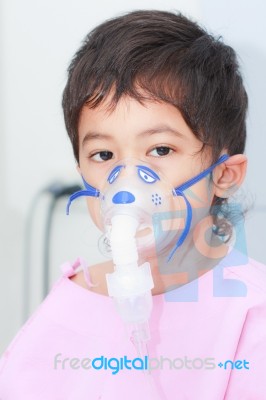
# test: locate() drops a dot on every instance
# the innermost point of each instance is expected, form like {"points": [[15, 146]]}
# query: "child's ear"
{"points": [[228, 177]]}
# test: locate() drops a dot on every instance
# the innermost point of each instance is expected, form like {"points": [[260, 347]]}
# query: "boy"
{"points": [[154, 87]]}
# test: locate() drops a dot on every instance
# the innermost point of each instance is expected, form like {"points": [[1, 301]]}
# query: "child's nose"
{"points": [[123, 197]]}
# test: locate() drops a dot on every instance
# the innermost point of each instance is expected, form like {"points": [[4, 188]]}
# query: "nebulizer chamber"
{"points": [[130, 284]]}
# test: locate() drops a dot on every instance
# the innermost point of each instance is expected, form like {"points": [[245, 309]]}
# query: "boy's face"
{"points": [[154, 133]]}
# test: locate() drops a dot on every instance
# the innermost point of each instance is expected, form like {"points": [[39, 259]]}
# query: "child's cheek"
{"points": [[201, 194]]}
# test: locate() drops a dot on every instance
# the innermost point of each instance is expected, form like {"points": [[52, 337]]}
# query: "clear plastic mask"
{"points": [[134, 188]]}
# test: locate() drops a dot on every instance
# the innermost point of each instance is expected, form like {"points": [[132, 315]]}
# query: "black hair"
{"points": [[170, 58], [162, 56]]}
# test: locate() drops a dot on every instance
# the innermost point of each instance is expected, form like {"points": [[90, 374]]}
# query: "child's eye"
{"points": [[160, 151], [102, 156]]}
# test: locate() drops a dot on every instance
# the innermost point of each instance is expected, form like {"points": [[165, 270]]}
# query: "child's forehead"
{"points": [[127, 104], [130, 111]]}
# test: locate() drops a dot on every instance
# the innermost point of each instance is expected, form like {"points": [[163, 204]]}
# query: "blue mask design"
{"points": [[149, 177]]}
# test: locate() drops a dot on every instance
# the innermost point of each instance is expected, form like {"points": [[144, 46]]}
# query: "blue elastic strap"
{"points": [[90, 191], [179, 191]]}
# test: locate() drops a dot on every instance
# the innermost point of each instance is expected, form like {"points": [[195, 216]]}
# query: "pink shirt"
{"points": [[53, 355]]}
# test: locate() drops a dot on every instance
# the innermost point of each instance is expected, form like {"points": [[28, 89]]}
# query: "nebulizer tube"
{"points": [[130, 284]]}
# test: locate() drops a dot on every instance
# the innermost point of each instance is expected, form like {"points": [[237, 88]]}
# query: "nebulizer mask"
{"points": [[133, 196], [132, 199]]}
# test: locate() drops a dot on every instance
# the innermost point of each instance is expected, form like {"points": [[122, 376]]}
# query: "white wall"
{"points": [[37, 42]]}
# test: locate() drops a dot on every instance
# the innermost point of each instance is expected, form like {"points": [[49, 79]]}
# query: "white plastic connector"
{"points": [[129, 280], [123, 241], [134, 309], [129, 284]]}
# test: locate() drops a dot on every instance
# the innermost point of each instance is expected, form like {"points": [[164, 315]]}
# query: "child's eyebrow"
{"points": [[95, 135], [161, 129]]}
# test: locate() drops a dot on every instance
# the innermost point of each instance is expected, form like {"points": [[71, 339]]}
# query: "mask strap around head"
{"points": [[179, 191], [90, 191]]}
